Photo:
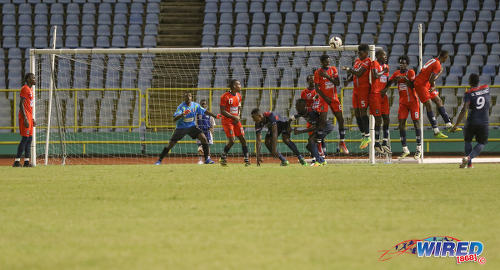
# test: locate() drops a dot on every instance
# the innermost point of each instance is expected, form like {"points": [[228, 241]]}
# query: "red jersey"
{"points": [[27, 94], [308, 95], [362, 83], [325, 85], [432, 66], [379, 83], [231, 104], [406, 95]]}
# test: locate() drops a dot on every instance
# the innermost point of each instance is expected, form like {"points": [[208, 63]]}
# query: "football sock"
{"points": [[320, 149], [342, 134], [163, 153], [27, 149], [366, 125], [323, 146], [443, 114], [293, 147], [360, 124], [476, 150], [21, 147], [417, 136], [385, 129], [226, 150], [468, 148], [402, 135], [432, 120], [245, 151], [206, 151], [314, 152], [281, 157], [377, 132]]}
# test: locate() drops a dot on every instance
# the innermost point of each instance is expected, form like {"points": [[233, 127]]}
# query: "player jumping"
{"points": [[320, 131], [276, 125], [185, 116], [424, 86], [408, 102], [206, 123], [477, 102], [326, 80], [379, 102], [230, 110], [26, 121], [360, 74]]}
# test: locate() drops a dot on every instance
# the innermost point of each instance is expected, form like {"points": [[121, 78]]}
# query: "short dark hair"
{"points": [[27, 76], [363, 48], [378, 52], [232, 82], [404, 57], [301, 100], [443, 53], [323, 57], [255, 111], [203, 100], [474, 79]]}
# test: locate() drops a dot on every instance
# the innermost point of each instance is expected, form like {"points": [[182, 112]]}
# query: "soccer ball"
{"points": [[335, 42]]}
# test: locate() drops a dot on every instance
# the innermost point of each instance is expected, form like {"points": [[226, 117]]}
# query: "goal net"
{"points": [[115, 106]]}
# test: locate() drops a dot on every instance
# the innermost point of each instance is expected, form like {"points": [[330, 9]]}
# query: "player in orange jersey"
{"points": [[379, 102], [26, 121]]}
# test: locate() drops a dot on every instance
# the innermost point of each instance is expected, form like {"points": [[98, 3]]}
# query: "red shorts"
{"points": [[423, 92], [413, 108], [360, 99], [25, 131], [233, 130], [379, 104], [335, 105]]}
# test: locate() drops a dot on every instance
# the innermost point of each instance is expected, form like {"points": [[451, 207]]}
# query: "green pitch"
{"points": [[208, 217]]}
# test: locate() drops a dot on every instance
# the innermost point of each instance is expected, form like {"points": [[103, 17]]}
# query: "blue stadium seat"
{"points": [[373, 16], [464, 49], [88, 8], [301, 7], [357, 17], [460, 60], [493, 60], [457, 5], [103, 30], [387, 27], [485, 15], [57, 19], [472, 69], [241, 7], [492, 38], [120, 19], [102, 42], [384, 39], [422, 16], [449, 47], [14, 53], [134, 30], [469, 15], [465, 27], [105, 8], [26, 19], [72, 31], [352, 39], [324, 17], [446, 38], [152, 18], [303, 40], [452, 80], [118, 42], [393, 5], [226, 18], [368, 38], [305, 28], [457, 70], [9, 31], [73, 8], [377, 5], [354, 28], [430, 49], [40, 31], [450, 27], [271, 7], [338, 28], [370, 28], [481, 49], [438, 16], [476, 38], [72, 19], [291, 29], [241, 29], [8, 8], [341, 17], [413, 38], [477, 60], [134, 41], [257, 7], [26, 9], [441, 5], [271, 40], [308, 17], [210, 7], [291, 17], [71, 42], [403, 27], [208, 41], [360, 6], [461, 37], [317, 6], [430, 38], [208, 29], [489, 5], [242, 18], [409, 5], [406, 16], [240, 41], [319, 40], [481, 26], [257, 29], [434, 27], [255, 40], [473, 5], [226, 7], [260, 18], [399, 38], [273, 29], [331, 6], [495, 26], [135, 18], [54, 9], [137, 8], [88, 19], [87, 42], [346, 6], [224, 41], [453, 16], [425, 5], [390, 16], [119, 30]]}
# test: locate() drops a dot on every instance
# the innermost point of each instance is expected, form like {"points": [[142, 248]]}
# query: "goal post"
{"points": [[115, 105]]}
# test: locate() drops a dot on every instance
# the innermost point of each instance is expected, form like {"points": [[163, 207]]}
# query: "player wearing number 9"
{"points": [[477, 101]]}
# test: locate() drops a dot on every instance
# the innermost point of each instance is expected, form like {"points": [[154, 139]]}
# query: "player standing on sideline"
{"points": [[230, 110], [424, 86], [26, 121], [326, 80], [379, 102], [320, 131], [185, 116], [360, 75], [408, 102], [477, 101], [275, 126], [206, 123]]}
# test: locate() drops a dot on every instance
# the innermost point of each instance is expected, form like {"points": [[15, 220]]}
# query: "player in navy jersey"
{"points": [[477, 102], [320, 130], [206, 123], [276, 125]]}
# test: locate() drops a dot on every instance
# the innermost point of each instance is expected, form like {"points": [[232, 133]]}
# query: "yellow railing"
{"points": [[75, 97]]}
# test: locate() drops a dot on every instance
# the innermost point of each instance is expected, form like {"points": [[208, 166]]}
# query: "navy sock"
{"points": [[443, 114], [341, 133], [22, 146], [226, 150], [468, 148], [359, 121], [206, 151], [27, 149], [385, 129], [245, 151], [366, 124], [293, 147], [281, 157], [432, 119], [377, 133], [477, 150], [417, 136], [402, 134], [313, 147]]}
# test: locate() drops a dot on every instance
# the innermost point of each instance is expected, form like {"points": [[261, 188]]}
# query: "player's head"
{"points": [[256, 115], [310, 81], [29, 79], [324, 60], [381, 56], [300, 106], [234, 85], [443, 55], [403, 61], [363, 51], [474, 80], [204, 103], [188, 97]]}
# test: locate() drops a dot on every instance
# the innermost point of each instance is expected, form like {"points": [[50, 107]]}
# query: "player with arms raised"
{"points": [[425, 88], [379, 102], [408, 103], [206, 123], [477, 102], [230, 104], [26, 121], [360, 75], [185, 117], [326, 80], [276, 125]]}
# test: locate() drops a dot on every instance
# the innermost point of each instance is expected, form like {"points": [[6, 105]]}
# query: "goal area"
{"points": [[116, 106]]}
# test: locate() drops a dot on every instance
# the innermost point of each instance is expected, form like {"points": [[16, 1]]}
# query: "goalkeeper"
{"points": [[185, 117]]}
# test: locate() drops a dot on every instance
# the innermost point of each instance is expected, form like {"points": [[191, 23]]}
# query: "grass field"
{"points": [[208, 217]]}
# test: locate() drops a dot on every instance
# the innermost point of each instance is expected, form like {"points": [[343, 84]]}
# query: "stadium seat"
{"points": [[441, 5], [87, 42], [14, 53], [387, 27], [208, 41], [473, 5], [413, 38], [430, 38], [367, 38], [403, 27], [240, 41], [304, 40], [457, 5], [305, 28], [434, 27], [10, 42], [354, 28], [137, 8], [485, 15], [450, 27], [481, 49], [481, 26], [370, 28], [103, 30], [255, 40], [136, 18], [118, 42], [450, 48], [26, 9], [493, 59], [465, 27], [338, 28], [102, 42], [260, 18], [346, 6], [257, 7], [457, 70], [438, 16], [133, 41], [489, 70], [430, 49], [271, 40], [464, 49], [376, 5], [307, 17], [492, 38], [461, 37], [495, 26], [8, 9], [453, 16], [384, 39], [317, 6], [446, 38], [422, 16], [476, 38], [341, 17], [324, 17], [224, 41], [399, 38], [301, 7], [390, 16], [10, 31], [149, 41], [477, 60], [71, 42], [406, 16], [88, 30], [88, 8], [393, 5], [270, 7]]}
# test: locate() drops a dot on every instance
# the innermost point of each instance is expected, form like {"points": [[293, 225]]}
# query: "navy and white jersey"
{"points": [[479, 107], [269, 120], [205, 123], [313, 118]]}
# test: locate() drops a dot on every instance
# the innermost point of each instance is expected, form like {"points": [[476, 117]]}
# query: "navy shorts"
{"points": [[193, 132], [283, 129], [480, 132]]}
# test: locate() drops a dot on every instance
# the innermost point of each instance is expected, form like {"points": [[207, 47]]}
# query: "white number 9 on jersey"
{"points": [[480, 103]]}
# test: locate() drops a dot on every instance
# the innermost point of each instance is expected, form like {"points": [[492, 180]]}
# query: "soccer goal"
{"points": [[115, 106]]}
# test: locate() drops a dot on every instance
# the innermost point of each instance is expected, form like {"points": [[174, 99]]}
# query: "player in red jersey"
{"points": [[424, 86], [26, 121], [360, 75], [230, 104], [326, 80], [309, 94], [379, 102], [408, 103]]}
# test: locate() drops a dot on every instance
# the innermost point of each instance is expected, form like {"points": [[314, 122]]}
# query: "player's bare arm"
{"points": [[23, 113], [310, 129], [356, 72], [274, 142], [225, 113], [210, 114], [258, 144], [327, 99], [461, 115]]}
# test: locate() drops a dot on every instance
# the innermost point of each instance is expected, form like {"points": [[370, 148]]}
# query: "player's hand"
{"points": [[236, 119], [186, 112]]}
